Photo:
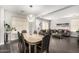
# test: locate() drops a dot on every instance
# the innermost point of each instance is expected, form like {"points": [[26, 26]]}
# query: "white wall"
{"points": [[45, 25], [75, 24], [1, 26], [53, 24], [19, 23], [8, 17], [15, 20]]}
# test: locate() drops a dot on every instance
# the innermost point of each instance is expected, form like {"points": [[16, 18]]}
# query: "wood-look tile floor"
{"points": [[5, 48], [65, 45]]}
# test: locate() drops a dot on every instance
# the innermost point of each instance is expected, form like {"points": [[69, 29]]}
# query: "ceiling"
{"points": [[43, 11], [36, 10], [68, 12]]}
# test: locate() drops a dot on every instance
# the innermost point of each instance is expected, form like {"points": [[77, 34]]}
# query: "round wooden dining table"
{"points": [[33, 39]]}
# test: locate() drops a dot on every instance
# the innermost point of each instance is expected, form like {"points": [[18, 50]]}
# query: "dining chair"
{"points": [[21, 43], [46, 41], [45, 44], [35, 32], [19, 35], [25, 45], [24, 31]]}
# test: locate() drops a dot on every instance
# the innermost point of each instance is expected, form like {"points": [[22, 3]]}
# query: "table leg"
{"points": [[35, 48], [29, 48]]}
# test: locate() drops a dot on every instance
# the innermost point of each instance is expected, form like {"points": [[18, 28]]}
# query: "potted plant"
{"points": [[7, 27]]}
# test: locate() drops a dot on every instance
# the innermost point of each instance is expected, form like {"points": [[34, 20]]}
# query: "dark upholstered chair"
{"points": [[24, 31], [25, 44], [21, 43], [45, 44], [46, 41], [35, 32]]}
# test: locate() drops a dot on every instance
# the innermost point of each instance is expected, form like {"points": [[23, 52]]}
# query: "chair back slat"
{"points": [[24, 31], [21, 42], [46, 41]]}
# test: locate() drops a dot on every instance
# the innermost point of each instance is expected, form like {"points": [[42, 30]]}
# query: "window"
{"points": [[45, 25]]}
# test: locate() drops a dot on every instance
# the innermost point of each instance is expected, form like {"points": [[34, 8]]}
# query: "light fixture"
{"points": [[31, 18]]}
